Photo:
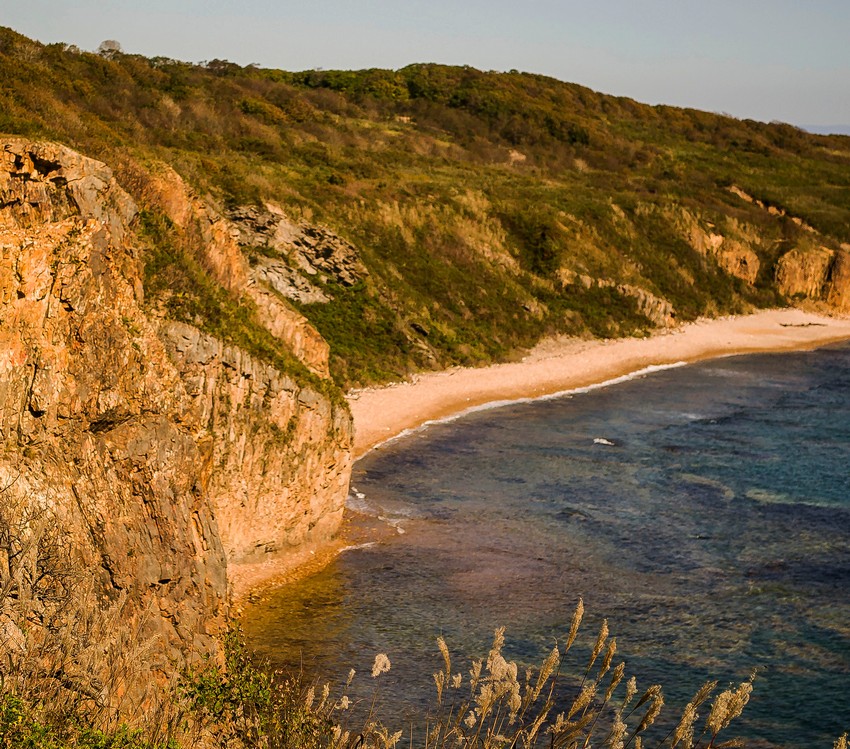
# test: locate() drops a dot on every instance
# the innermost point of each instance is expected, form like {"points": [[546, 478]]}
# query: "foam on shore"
{"points": [[492, 405], [562, 367]]}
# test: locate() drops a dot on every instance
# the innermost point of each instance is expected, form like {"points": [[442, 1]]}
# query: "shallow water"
{"points": [[713, 534]]}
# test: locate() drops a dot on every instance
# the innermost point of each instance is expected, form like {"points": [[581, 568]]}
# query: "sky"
{"points": [[761, 59]]}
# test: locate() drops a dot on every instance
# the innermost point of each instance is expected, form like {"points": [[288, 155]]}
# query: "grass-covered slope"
{"points": [[489, 208]]}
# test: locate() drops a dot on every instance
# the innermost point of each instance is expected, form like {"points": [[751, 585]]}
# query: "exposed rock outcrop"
{"points": [[287, 254], [816, 273], [88, 397], [657, 310], [172, 459], [810, 270], [213, 238], [277, 454], [771, 209], [733, 245], [838, 293], [803, 272]]}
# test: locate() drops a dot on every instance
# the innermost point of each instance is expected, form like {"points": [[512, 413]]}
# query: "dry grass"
{"points": [[492, 707]]}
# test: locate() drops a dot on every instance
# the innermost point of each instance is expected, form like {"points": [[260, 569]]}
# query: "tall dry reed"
{"points": [[493, 706]]}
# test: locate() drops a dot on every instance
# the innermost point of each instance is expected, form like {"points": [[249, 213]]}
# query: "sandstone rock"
{"points": [[206, 233], [170, 458], [803, 271], [738, 260], [292, 328], [42, 182], [281, 452], [838, 289], [87, 395], [657, 310], [732, 246]]}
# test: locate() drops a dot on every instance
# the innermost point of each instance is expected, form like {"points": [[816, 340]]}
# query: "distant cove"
{"points": [[714, 534]]}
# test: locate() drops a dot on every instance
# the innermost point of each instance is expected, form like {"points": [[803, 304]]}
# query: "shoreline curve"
{"points": [[555, 367], [559, 366]]}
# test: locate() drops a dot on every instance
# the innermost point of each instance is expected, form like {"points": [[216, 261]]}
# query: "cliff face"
{"points": [[276, 456], [213, 239], [810, 271], [173, 460]]}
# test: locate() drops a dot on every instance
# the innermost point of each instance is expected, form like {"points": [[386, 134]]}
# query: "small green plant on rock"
{"points": [[243, 705]]}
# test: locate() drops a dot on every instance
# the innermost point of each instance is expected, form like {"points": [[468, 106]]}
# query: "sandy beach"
{"points": [[554, 366], [564, 364]]}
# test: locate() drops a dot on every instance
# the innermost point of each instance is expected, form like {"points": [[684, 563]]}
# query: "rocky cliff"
{"points": [[174, 460]]}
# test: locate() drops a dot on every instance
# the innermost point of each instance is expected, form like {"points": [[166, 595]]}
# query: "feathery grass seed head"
{"points": [[600, 642], [574, 625], [618, 733], [546, 670], [609, 656], [381, 665], [727, 706], [652, 711], [616, 678], [326, 692], [475, 674], [440, 681], [444, 650], [684, 733], [583, 700]]}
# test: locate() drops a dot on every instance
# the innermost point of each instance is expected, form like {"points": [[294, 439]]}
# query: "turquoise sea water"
{"points": [[713, 534]]}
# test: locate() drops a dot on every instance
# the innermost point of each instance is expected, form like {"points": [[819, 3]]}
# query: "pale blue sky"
{"points": [[764, 59]]}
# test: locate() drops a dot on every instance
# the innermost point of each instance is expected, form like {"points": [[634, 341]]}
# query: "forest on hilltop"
{"points": [[487, 209]]}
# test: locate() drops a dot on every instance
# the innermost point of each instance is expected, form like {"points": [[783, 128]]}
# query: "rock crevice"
{"points": [[170, 458]]}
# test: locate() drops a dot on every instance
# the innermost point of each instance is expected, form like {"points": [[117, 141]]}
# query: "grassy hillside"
{"points": [[490, 209]]}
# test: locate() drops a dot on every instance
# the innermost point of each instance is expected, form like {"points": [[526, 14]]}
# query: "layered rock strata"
{"points": [[172, 459]]}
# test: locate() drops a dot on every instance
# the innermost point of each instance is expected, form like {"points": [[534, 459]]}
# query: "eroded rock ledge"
{"points": [[171, 458]]}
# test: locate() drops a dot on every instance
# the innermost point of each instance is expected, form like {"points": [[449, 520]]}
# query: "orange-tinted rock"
{"points": [[170, 458], [803, 272]]}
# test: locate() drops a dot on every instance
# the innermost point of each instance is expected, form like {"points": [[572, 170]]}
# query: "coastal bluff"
{"points": [[178, 468]]}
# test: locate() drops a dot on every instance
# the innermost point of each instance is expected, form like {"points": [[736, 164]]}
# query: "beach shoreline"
{"points": [[561, 365], [555, 366]]}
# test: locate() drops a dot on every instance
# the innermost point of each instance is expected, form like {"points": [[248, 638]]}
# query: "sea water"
{"points": [[704, 511]]}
